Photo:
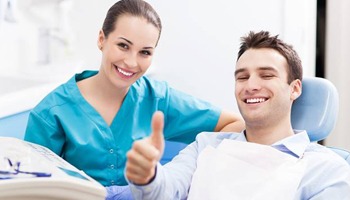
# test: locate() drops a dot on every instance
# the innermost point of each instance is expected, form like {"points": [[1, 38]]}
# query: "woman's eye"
{"points": [[147, 53], [123, 45]]}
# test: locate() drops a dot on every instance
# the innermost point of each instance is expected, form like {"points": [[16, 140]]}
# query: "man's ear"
{"points": [[296, 89], [101, 39]]}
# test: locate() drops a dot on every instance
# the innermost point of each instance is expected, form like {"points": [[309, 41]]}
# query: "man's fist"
{"points": [[145, 153]]}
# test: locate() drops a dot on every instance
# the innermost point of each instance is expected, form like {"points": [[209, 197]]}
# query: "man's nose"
{"points": [[253, 83]]}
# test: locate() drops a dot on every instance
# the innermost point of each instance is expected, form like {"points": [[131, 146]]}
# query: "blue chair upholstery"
{"points": [[316, 111], [14, 125], [343, 153], [171, 150]]}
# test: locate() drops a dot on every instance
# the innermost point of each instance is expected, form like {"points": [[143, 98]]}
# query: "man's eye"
{"points": [[242, 78], [267, 76], [123, 45]]}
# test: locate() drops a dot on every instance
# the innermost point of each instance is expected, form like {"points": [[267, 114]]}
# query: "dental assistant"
{"points": [[92, 120]]}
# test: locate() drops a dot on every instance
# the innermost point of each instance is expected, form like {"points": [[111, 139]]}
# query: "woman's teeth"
{"points": [[124, 72]]}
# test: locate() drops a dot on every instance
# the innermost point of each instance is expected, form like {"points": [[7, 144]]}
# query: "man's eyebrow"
{"points": [[260, 69], [267, 69], [239, 71], [128, 41]]}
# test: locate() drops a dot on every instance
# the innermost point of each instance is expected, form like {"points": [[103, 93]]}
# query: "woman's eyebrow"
{"points": [[128, 41]]}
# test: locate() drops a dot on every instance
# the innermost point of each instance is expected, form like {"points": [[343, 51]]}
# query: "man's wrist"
{"points": [[150, 181]]}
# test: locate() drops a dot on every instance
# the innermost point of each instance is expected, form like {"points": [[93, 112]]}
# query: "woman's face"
{"points": [[127, 52]]}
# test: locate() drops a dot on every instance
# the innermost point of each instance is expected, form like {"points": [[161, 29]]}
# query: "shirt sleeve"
{"points": [[38, 131], [334, 183], [186, 116], [118, 192]]}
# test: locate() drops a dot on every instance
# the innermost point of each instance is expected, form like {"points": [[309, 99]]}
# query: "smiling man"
{"points": [[269, 160]]}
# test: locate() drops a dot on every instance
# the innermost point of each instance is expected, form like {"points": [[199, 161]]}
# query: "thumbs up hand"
{"points": [[144, 155], [157, 137]]}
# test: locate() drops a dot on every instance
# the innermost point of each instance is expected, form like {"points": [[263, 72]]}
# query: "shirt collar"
{"points": [[295, 144], [241, 137]]}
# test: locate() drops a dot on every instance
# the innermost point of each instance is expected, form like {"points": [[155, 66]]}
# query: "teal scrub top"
{"points": [[68, 125]]}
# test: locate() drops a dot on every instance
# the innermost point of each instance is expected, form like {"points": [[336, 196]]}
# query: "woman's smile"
{"points": [[124, 73]]}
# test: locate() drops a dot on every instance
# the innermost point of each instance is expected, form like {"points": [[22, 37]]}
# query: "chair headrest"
{"points": [[316, 109]]}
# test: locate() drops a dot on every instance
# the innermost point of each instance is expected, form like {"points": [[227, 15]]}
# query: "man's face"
{"points": [[263, 95]]}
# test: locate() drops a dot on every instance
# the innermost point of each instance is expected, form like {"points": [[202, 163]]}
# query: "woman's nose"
{"points": [[131, 60]]}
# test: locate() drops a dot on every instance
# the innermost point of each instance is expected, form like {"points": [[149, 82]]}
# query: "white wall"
{"points": [[337, 66], [87, 20]]}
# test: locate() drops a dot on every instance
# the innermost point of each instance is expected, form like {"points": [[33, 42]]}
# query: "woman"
{"points": [[92, 120]]}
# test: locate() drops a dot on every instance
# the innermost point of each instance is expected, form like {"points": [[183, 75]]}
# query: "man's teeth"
{"points": [[256, 100], [124, 72]]}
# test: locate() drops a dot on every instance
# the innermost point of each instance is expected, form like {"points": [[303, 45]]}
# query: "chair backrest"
{"points": [[316, 110], [14, 125], [171, 150]]}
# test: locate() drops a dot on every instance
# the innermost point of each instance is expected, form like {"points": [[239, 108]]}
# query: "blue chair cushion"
{"points": [[316, 109]]}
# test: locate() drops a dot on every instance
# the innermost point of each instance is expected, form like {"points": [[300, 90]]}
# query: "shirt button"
{"points": [[112, 166], [111, 151]]}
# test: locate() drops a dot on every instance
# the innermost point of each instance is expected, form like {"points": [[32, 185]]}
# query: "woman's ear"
{"points": [[296, 89], [101, 39]]}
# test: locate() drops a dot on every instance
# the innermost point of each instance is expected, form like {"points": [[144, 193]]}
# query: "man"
{"points": [[269, 160]]}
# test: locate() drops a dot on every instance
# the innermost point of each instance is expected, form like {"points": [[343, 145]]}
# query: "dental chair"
{"points": [[315, 111]]}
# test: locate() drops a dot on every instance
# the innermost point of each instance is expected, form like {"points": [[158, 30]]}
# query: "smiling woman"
{"points": [[94, 118]]}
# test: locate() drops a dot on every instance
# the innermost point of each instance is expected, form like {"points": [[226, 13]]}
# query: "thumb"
{"points": [[157, 138]]}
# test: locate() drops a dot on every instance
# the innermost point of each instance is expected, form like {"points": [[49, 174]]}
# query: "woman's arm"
{"points": [[230, 122]]}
